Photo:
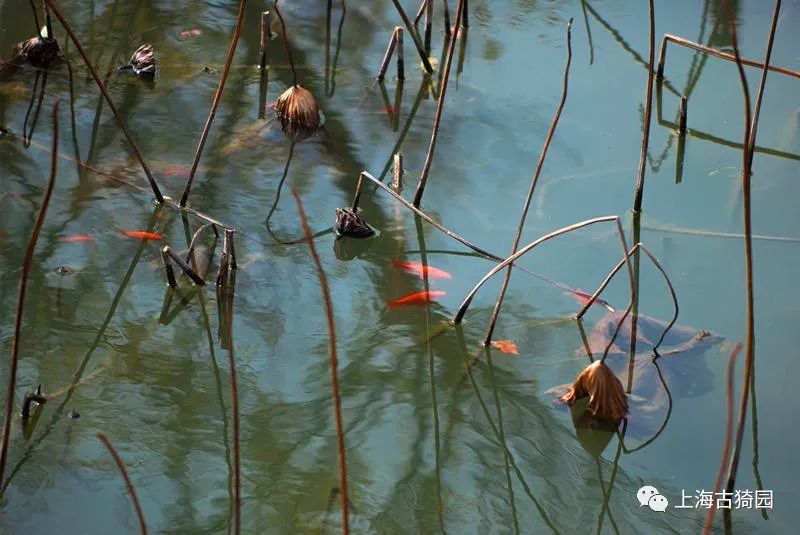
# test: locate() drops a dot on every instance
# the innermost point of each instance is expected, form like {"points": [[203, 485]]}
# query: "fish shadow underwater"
{"points": [[676, 370]]}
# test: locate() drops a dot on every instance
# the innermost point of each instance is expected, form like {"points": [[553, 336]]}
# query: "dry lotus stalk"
{"points": [[298, 106], [606, 394]]}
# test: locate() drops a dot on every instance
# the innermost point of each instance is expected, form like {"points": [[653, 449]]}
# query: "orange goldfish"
{"points": [[418, 269], [78, 238], [505, 346], [416, 298], [141, 235]]}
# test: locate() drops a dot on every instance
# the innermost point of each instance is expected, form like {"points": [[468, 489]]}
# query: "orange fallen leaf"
{"points": [[506, 346]]}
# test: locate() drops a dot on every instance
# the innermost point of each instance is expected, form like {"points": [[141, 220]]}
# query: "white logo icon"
{"points": [[650, 497]]}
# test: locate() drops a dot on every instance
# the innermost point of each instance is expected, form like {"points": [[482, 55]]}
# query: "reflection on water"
{"points": [[441, 434]]}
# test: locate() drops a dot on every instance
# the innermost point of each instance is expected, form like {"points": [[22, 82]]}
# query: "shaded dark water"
{"points": [[424, 441]]}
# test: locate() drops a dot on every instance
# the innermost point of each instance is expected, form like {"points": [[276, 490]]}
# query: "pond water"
{"points": [[429, 447]]}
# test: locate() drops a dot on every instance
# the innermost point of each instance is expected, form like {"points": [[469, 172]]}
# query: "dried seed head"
{"points": [[297, 105], [606, 395], [39, 51], [348, 223], [143, 61]]}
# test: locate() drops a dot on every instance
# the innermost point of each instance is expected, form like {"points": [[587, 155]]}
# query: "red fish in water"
{"points": [[173, 171], [141, 235], [506, 346], [78, 238], [416, 298], [189, 34], [583, 297], [418, 269]]}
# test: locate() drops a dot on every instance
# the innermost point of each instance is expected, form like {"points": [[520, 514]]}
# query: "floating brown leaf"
{"points": [[606, 394], [298, 106]]}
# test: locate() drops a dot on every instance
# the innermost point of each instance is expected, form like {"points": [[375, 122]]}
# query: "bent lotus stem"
{"points": [[615, 270], [499, 267]]}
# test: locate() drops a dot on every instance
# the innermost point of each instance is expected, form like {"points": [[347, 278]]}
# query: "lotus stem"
{"points": [[410, 28], [124, 473], [648, 110], [423, 179], [539, 165], [215, 103], [23, 284], [333, 364], [120, 121]]}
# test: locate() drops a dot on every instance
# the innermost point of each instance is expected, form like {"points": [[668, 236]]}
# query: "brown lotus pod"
{"points": [[606, 395], [142, 62], [348, 223], [298, 106], [39, 51]]}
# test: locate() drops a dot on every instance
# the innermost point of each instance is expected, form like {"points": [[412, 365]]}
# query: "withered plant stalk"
{"points": [[423, 179], [23, 283], [648, 109], [414, 37], [334, 364], [124, 473], [539, 164], [120, 121], [726, 445], [215, 103]]}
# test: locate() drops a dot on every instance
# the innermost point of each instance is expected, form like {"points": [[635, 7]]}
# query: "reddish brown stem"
{"points": [[128, 484], [334, 364], [749, 345], [23, 282], [726, 445], [215, 103], [107, 97], [539, 164]]}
